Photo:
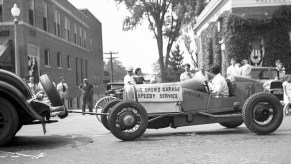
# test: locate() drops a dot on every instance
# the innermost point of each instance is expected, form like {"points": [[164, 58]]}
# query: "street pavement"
{"points": [[82, 139]]}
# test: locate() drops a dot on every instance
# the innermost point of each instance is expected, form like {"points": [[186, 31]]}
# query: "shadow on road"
{"points": [[46, 142]]}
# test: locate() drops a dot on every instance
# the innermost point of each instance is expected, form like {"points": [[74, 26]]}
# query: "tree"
{"points": [[175, 65], [118, 69], [166, 19]]}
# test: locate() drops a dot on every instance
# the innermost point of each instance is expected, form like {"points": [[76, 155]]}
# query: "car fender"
{"points": [[20, 99]]}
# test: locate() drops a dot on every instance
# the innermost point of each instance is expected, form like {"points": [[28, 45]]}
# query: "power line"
{"points": [[111, 64]]}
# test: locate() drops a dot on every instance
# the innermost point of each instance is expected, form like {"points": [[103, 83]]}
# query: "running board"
{"points": [[220, 116]]}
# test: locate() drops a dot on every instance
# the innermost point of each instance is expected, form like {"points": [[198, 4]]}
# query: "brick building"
{"points": [[54, 38], [244, 29]]}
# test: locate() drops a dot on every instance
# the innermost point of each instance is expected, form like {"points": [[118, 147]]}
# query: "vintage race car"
{"points": [[18, 107], [271, 79], [190, 102]]}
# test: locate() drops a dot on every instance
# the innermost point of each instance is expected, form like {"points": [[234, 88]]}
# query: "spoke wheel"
{"points": [[106, 109], [262, 113], [101, 104], [128, 120], [9, 121]]}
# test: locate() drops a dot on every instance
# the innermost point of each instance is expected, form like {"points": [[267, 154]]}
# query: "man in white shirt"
{"points": [[187, 74], [246, 69], [62, 89], [218, 86], [201, 74], [128, 82], [233, 70]]}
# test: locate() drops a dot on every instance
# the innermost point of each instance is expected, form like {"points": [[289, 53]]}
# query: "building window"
{"points": [[46, 57], [44, 19], [77, 68], [86, 68], [31, 12], [75, 34], [59, 60], [1, 10], [80, 37], [82, 68], [69, 61], [85, 37], [57, 24], [68, 29], [91, 45]]}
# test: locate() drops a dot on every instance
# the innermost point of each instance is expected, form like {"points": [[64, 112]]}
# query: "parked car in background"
{"points": [[271, 78], [115, 89]]}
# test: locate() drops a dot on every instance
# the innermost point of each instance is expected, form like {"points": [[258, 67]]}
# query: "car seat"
{"points": [[230, 80]]}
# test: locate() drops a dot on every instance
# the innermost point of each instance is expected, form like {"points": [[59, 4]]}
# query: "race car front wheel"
{"points": [[128, 120], [262, 113], [9, 121]]}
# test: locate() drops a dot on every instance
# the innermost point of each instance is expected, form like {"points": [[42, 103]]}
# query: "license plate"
{"points": [[278, 92]]}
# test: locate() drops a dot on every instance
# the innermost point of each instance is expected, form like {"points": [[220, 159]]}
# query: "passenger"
{"points": [[138, 78], [187, 74], [128, 82], [218, 86], [201, 75], [287, 94], [233, 70]]}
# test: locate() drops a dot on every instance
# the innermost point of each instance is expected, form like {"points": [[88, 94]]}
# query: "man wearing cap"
{"points": [[187, 74], [128, 82], [87, 91]]}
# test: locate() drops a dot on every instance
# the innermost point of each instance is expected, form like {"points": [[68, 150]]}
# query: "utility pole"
{"points": [[111, 64]]}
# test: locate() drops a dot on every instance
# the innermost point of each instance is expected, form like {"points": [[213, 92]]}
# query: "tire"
{"points": [[231, 124], [106, 109], [52, 94], [262, 113], [128, 120], [101, 104], [9, 121]]}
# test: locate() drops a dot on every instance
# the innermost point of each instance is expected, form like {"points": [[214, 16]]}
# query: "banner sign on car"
{"points": [[159, 93]]}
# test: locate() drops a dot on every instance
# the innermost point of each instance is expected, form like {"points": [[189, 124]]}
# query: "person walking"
{"points": [[287, 94], [232, 70], [87, 92], [187, 74], [62, 89], [137, 77]]}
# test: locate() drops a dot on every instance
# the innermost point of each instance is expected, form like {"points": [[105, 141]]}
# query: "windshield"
{"points": [[264, 74]]}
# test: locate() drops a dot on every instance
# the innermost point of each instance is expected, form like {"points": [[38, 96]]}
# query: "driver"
{"points": [[218, 86]]}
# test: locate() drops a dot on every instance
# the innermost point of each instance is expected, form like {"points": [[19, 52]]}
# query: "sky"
{"points": [[135, 48]]}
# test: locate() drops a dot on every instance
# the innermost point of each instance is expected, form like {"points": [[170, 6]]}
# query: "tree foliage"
{"points": [[118, 69], [175, 65], [166, 18]]}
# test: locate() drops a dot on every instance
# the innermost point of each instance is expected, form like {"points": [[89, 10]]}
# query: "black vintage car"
{"points": [[18, 107], [270, 76]]}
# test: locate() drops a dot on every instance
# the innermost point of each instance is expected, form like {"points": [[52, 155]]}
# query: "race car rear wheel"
{"points": [[231, 124], [101, 104], [128, 120], [52, 93], [262, 113], [106, 109], [9, 121]]}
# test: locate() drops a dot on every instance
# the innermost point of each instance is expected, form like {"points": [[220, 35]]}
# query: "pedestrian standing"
{"points": [[287, 94], [232, 70], [33, 86], [281, 70], [87, 93], [137, 77], [246, 69], [201, 74], [187, 74], [62, 89]]}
